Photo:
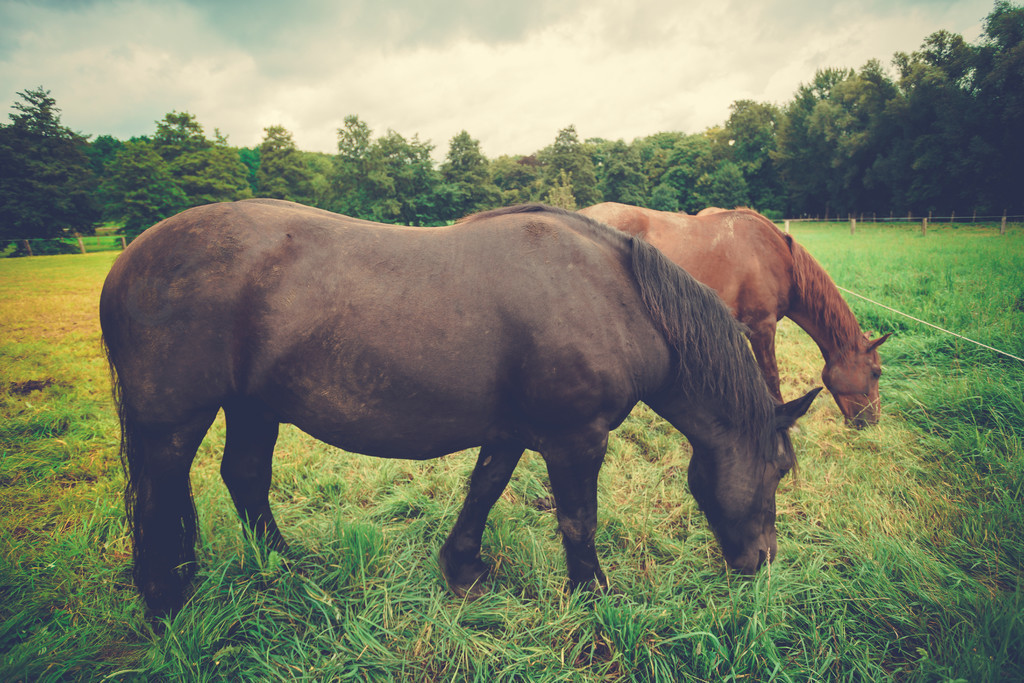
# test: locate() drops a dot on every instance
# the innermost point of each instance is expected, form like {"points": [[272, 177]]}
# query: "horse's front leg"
{"points": [[460, 555], [762, 343], [573, 475]]}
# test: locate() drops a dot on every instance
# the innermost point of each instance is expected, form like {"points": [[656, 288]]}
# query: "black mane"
{"points": [[710, 345]]}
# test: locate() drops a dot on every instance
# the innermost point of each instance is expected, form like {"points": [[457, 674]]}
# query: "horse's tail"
{"points": [[168, 545], [127, 452]]}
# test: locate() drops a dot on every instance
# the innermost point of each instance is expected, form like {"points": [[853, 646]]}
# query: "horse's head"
{"points": [[852, 377], [734, 482]]}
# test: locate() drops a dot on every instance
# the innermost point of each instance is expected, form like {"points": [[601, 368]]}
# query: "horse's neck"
{"points": [[819, 308]]}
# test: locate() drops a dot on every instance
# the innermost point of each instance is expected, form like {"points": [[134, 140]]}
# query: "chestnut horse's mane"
{"points": [[819, 296], [822, 300]]}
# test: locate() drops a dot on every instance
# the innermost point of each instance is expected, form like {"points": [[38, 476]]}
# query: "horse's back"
{"points": [[738, 253]]}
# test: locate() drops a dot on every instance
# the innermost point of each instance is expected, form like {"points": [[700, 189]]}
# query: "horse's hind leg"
{"points": [[460, 555], [246, 469], [160, 510]]}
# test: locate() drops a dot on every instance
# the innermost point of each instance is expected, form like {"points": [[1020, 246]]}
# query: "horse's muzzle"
{"points": [[751, 562]]}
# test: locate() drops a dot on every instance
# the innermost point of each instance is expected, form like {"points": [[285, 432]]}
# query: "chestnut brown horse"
{"points": [[762, 275], [526, 327]]}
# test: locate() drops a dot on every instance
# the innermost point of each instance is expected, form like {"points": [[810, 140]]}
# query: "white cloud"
{"points": [[512, 78]]}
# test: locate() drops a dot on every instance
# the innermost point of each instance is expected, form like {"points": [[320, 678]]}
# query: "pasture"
{"points": [[901, 545]]}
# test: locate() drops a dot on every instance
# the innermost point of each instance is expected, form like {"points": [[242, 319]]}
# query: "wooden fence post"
{"points": [[81, 244], [924, 226], [853, 225], [124, 244], [952, 217], [787, 226], [28, 247], [1002, 226]]}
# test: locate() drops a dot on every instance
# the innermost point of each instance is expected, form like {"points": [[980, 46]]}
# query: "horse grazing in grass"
{"points": [[526, 327], [762, 275]]}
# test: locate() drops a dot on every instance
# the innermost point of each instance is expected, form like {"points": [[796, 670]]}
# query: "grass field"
{"points": [[901, 546]]}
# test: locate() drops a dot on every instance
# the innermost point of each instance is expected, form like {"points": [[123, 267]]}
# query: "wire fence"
{"points": [[1000, 223], [910, 218], [925, 322], [39, 246]]}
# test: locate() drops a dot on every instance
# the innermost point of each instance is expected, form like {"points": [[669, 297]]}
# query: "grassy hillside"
{"points": [[901, 546]]}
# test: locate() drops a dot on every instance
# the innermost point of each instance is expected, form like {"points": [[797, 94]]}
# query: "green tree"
{"points": [[725, 187], [466, 175], [561, 195], [389, 179], [320, 168], [927, 163], [654, 152], [665, 198], [250, 157], [803, 155], [211, 174], [350, 179], [141, 187], [403, 181], [691, 160], [102, 151], [572, 158], [179, 133], [847, 126], [282, 172], [750, 133], [47, 183], [518, 178], [1000, 95], [621, 174], [205, 170]]}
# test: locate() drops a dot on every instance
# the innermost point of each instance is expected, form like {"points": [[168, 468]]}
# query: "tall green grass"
{"points": [[900, 545]]}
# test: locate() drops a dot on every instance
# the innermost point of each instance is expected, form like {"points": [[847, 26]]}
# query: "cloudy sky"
{"points": [[512, 74]]}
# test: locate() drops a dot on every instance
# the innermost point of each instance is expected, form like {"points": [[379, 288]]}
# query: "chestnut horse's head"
{"points": [[852, 377]]}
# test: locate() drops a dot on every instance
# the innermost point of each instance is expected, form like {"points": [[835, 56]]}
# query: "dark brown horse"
{"points": [[762, 275], [520, 328]]}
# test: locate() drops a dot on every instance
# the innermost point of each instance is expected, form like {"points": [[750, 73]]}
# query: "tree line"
{"points": [[941, 130]]}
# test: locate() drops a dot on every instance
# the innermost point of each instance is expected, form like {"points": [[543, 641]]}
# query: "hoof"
{"points": [[162, 605], [598, 583], [467, 580]]}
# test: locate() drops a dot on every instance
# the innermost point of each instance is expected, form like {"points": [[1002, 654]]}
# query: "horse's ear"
{"points": [[878, 342], [787, 414]]}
